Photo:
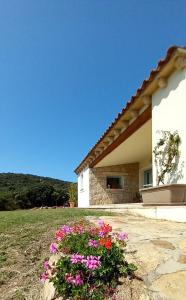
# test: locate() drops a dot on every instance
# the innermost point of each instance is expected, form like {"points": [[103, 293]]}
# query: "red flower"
{"points": [[106, 242], [59, 235], [102, 242], [106, 228]]}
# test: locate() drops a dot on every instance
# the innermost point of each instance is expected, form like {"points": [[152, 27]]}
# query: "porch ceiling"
{"points": [[137, 148]]}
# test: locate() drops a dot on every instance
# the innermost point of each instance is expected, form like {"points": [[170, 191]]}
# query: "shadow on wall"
{"points": [[177, 175], [170, 87]]}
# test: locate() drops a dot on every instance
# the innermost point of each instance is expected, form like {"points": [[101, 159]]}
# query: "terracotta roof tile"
{"points": [[143, 86]]}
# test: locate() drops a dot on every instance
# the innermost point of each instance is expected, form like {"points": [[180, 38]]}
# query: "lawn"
{"points": [[24, 239]]}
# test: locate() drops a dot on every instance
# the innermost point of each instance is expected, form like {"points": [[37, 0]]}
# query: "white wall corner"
{"points": [[83, 188]]}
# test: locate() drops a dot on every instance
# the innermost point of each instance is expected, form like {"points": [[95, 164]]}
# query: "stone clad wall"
{"points": [[99, 194]]}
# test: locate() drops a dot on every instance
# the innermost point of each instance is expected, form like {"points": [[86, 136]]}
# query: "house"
{"points": [[121, 163]]}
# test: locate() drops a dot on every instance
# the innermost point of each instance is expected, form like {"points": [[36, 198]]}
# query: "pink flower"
{"points": [[44, 277], [101, 222], [93, 243], [78, 229], [122, 236], [69, 278], [46, 265], [76, 258], [92, 262], [53, 248], [76, 280], [66, 229], [101, 234]]}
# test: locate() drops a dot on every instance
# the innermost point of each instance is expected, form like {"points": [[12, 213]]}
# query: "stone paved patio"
{"points": [[159, 250]]}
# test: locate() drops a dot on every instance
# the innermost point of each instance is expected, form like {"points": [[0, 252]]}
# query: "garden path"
{"points": [[158, 248]]}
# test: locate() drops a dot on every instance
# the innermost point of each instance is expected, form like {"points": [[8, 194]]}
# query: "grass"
{"points": [[25, 236]]}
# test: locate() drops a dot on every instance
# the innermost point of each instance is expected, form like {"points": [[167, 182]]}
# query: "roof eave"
{"points": [[175, 59]]}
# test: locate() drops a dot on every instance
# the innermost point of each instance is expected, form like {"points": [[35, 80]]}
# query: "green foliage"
{"points": [[91, 264], [72, 193], [24, 239], [21, 191], [166, 153]]}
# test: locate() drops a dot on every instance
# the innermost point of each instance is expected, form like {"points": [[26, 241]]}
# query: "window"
{"points": [[115, 182], [81, 182], [147, 178]]}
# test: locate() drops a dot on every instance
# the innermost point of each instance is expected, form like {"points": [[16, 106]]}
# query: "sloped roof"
{"points": [[171, 52]]}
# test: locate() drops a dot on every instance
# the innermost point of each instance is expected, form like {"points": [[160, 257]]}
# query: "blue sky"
{"points": [[67, 67]]}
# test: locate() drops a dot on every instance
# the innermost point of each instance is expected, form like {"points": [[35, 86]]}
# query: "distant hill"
{"points": [[27, 191]]}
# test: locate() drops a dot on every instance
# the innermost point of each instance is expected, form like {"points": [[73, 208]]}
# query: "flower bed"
{"points": [[91, 263]]}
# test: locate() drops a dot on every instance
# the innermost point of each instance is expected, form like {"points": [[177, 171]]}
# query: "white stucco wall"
{"points": [[169, 113], [83, 188]]}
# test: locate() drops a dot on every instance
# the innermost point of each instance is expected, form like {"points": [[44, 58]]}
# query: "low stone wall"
{"points": [[100, 194], [48, 292]]}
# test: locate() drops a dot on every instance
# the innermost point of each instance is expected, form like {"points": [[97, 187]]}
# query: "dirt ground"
{"points": [[25, 237], [157, 247]]}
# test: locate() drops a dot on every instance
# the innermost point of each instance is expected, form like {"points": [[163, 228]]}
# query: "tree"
{"points": [[22, 191]]}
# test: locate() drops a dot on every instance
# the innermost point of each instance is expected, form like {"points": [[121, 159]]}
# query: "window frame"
{"points": [[81, 182], [121, 178], [147, 172]]}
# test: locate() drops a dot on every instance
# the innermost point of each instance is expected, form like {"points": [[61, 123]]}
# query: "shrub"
{"points": [[72, 193], [166, 155], [91, 261]]}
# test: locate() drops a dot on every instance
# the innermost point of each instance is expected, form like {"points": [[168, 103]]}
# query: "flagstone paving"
{"points": [[158, 248]]}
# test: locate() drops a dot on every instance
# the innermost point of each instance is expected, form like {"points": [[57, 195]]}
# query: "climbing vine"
{"points": [[166, 153]]}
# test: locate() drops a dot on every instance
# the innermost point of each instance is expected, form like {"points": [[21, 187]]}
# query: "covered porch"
{"points": [[118, 177]]}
